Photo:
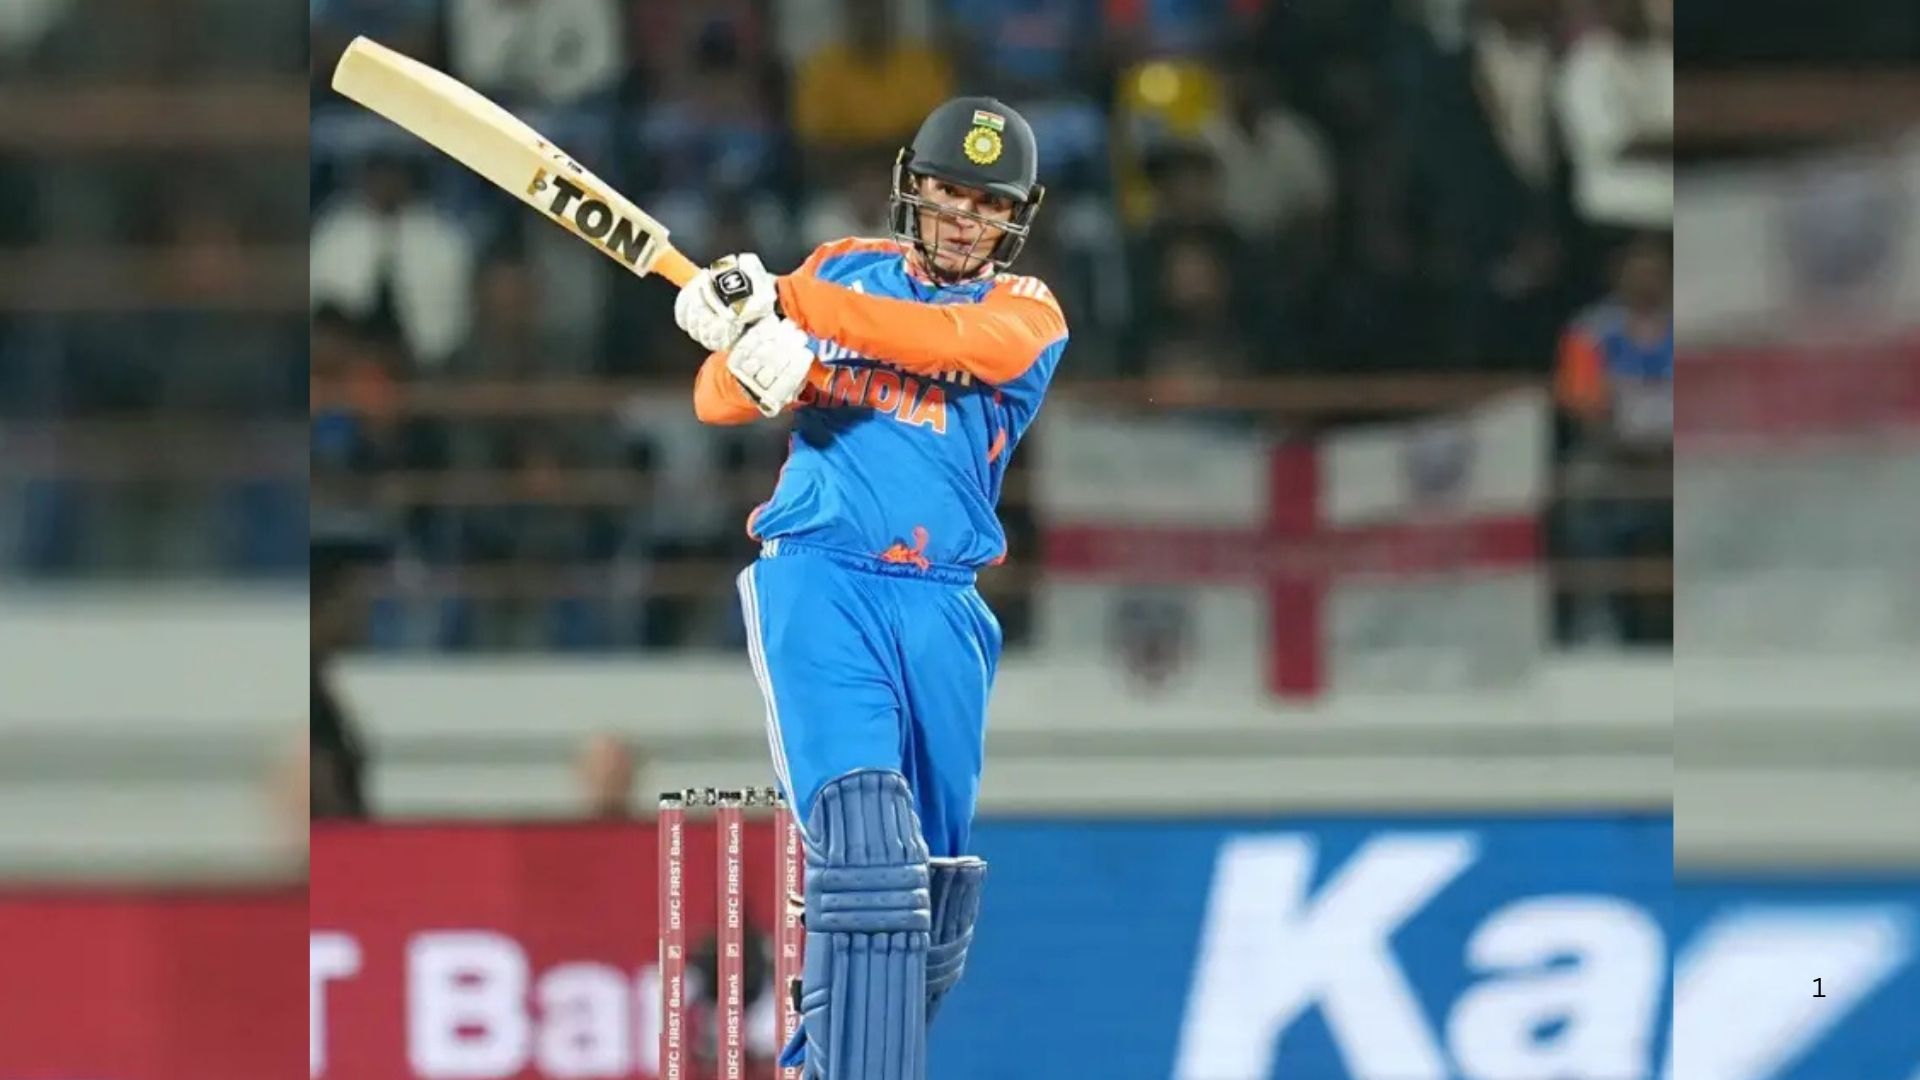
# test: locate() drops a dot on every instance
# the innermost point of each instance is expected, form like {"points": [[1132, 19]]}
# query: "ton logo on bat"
{"points": [[575, 207]]}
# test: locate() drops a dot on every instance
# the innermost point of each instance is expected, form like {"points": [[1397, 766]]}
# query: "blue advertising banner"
{"points": [[1419, 949]]}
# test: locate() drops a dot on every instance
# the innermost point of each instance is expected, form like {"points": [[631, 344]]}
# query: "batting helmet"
{"points": [[974, 142]]}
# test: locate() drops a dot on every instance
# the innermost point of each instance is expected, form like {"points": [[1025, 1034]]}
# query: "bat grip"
{"points": [[673, 266], [679, 269]]}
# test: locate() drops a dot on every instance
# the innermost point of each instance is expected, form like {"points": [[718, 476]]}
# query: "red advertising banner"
{"points": [[513, 952], [151, 986], [1771, 396]]}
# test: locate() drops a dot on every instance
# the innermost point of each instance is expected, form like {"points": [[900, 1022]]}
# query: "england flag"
{"points": [[1192, 556]]}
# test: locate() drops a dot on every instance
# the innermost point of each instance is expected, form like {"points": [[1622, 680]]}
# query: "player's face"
{"points": [[958, 244]]}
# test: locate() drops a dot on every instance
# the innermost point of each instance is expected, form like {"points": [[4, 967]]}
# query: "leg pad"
{"points": [[869, 920]]}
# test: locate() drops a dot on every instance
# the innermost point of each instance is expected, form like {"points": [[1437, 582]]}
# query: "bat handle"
{"points": [[673, 266], [679, 269]]}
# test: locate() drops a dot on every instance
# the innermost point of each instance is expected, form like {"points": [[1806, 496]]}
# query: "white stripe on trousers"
{"points": [[757, 656]]}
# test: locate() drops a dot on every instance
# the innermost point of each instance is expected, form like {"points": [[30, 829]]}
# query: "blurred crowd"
{"points": [[1237, 189], [1244, 187], [150, 425]]}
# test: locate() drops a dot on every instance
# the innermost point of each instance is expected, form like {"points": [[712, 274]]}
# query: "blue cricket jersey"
{"points": [[902, 453]]}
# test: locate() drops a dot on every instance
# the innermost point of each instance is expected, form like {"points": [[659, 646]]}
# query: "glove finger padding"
{"points": [[722, 301], [694, 313], [772, 362]]}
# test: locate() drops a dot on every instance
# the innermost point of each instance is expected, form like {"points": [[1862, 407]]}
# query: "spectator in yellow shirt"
{"points": [[867, 92]]}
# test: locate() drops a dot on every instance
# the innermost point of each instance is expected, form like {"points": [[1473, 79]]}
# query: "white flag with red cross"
{"points": [[1192, 554]]}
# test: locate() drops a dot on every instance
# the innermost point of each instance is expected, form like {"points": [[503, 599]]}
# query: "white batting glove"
{"points": [[720, 302], [772, 362]]}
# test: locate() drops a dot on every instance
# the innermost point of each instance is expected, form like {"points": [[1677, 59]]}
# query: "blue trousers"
{"points": [[872, 665]]}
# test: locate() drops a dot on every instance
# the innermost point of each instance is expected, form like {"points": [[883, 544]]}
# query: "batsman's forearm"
{"points": [[993, 343], [718, 397]]}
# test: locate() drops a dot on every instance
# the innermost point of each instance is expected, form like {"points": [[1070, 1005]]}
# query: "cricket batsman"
{"points": [[873, 650]]}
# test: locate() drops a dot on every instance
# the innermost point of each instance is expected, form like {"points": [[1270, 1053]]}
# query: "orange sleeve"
{"points": [[1579, 382], [718, 397], [996, 340]]}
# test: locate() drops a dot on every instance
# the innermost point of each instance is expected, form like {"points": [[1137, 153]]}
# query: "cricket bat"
{"points": [[462, 123]]}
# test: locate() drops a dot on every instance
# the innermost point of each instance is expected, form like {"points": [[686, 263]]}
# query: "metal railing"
{"points": [[45, 120], [1808, 103]]}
